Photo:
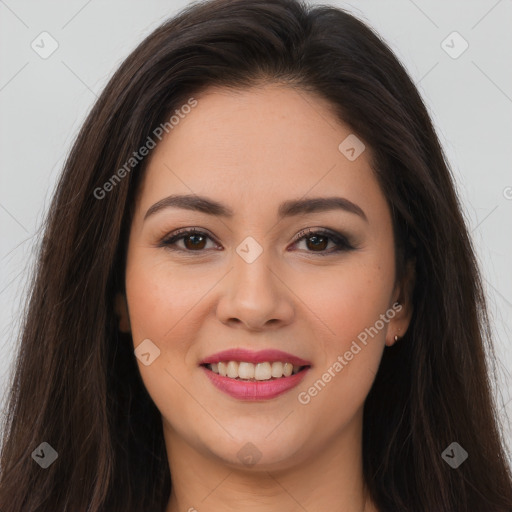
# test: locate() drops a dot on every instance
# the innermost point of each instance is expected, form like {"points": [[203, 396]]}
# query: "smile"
{"points": [[252, 372], [254, 389]]}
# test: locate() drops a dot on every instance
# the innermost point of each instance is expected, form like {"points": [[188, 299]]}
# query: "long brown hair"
{"points": [[76, 384]]}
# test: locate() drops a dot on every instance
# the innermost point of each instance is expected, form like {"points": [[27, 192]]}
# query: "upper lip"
{"points": [[261, 356]]}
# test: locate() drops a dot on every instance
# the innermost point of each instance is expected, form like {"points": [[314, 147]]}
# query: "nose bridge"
{"points": [[255, 294], [254, 280]]}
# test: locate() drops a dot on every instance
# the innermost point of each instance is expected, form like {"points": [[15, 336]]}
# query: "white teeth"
{"points": [[233, 369], [287, 369], [277, 369], [246, 371], [250, 371], [223, 371], [263, 371]]}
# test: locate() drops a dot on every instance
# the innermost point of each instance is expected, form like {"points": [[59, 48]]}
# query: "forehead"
{"points": [[262, 144]]}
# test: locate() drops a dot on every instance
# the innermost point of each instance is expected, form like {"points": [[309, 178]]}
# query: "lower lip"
{"points": [[255, 390]]}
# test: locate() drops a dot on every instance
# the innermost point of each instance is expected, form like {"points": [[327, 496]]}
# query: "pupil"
{"points": [[316, 243], [193, 245]]}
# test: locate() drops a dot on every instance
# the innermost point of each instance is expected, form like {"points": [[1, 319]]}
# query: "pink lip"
{"points": [[241, 354], [254, 390]]}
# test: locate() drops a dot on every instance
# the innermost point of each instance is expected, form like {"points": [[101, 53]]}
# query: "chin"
{"points": [[258, 452]]}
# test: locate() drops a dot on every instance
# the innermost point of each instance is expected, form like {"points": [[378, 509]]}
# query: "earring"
{"points": [[396, 335]]}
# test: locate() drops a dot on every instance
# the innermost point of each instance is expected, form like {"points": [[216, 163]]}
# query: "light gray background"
{"points": [[43, 103]]}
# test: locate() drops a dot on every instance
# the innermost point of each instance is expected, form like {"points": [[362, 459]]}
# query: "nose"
{"points": [[256, 296]]}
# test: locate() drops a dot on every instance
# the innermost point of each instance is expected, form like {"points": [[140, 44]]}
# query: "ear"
{"points": [[403, 293], [121, 309]]}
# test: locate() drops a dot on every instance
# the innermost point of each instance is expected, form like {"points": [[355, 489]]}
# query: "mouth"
{"points": [[255, 372], [254, 382], [254, 376]]}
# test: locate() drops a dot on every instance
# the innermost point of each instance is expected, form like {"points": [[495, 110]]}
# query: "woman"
{"points": [[256, 289]]}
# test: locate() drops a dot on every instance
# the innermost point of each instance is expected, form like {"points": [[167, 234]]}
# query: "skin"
{"points": [[251, 150]]}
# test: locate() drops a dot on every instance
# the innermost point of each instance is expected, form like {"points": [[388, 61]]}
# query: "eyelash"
{"points": [[342, 244]]}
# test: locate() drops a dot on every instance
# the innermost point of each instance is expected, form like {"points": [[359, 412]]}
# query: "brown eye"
{"points": [[193, 241], [317, 241]]}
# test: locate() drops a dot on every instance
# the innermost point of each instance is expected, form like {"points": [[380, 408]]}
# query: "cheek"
{"points": [[348, 352], [349, 299], [348, 305], [160, 296], [161, 301]]}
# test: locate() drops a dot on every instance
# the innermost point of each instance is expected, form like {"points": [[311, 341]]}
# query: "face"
{"points": [[316, 283]]}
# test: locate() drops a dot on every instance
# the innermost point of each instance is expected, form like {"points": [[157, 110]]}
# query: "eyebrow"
{"points": [[288, 208]]}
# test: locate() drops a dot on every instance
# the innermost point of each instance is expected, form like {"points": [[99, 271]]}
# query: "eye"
{"points": [[318, 240], [193, 240]]}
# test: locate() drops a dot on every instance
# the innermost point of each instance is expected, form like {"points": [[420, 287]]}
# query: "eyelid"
{"points": [[183, 232], [304, 233], [342, 242]]}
